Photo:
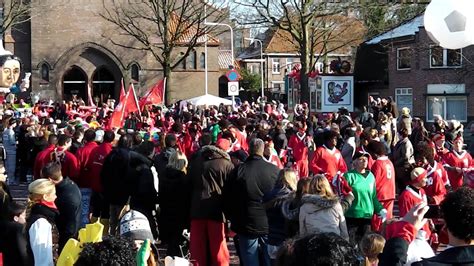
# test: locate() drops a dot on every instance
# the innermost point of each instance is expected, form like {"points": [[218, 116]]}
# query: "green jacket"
{"points": [[365, 203]]}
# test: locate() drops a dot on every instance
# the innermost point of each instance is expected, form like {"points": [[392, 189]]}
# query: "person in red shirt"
{"points": [[384, 173], [364, 140], [327, 159], [43, 157], [84, 181], [436, 175], [414, 194], [62, 155], [440, 150], [270, 155], [99, 205], [456, 162], [298, 144]]}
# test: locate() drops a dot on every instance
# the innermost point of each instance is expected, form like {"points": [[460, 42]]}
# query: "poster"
{"points": [[338, 91]]}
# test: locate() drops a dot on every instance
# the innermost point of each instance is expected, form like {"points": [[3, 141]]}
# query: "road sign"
{"points": [[232, 75], [233, 88]]}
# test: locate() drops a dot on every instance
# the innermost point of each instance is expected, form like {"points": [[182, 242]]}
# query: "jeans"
{"points": [[86, 202], [253, 251]]}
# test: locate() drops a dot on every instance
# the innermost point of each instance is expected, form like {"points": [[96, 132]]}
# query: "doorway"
{"points": [[103, 86], [75, 84]]}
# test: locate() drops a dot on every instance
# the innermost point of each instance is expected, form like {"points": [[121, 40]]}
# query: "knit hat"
{"points": [[135, 225], [224, 144], [99, 135], [405, 111]]}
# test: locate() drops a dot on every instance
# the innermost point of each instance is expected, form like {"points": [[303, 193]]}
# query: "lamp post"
{"points": [[261, 62], [231, 46]]}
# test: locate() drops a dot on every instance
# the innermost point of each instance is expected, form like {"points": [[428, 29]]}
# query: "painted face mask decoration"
{"points": [[9, 72]]}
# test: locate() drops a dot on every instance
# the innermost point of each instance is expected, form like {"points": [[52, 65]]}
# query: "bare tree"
{"points": [[162, 27], [13, 12], [316, 28]]}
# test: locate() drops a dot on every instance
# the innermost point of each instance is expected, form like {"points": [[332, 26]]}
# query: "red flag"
{"points": [[131, 102], [122, 91], [116, 120], [154, 95]]}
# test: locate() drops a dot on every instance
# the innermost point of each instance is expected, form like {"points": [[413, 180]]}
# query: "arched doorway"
{"points": [[103, 85], [75, 84], [223, 81]]}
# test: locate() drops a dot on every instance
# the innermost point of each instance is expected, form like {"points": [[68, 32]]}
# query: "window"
{"points": [[404, 98], [277, 86], [135, 72], [191, 60], [45, 72], [403, 58], [440, 57], [447, 100], [275, 65], [289, 63], [182, 64], [202, 61], [448, 107]]}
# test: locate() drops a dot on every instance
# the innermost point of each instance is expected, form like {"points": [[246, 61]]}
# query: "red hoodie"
{"points": [[42, 158], [84, 156], [96, 163]]}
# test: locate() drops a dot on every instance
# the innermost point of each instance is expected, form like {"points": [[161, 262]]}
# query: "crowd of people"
{"points": [[289, 188]]}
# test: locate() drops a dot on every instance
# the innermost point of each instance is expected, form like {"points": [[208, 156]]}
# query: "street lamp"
{"points": [[231, 36], [261, 61], [231, 46]]}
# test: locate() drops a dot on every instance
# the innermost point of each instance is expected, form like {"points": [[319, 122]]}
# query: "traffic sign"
{"points": [[232, 75], [233, 88]]}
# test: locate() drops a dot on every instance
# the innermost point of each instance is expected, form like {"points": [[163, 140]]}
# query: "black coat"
{"points": [[68, 201], [5, 199], [13, 244], [142, 190], [174, 198], [395, 253], [208, 173], [114, 176], [244, 196]]}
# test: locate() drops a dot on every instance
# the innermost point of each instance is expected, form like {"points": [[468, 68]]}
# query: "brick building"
{"points": [[67, 46], [406, 64]]}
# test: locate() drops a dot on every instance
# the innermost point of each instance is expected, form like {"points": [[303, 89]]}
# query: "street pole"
{"points": [[231, 46]]}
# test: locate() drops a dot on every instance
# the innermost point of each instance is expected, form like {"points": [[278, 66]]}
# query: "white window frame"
{"points": [[281, 83], [276, 68], [445, 58], [398, 58], [404, 92], [463, 97], [289, 62]]}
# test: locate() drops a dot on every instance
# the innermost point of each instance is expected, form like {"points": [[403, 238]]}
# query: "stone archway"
{"points": [[75, 84], [100, 67]]}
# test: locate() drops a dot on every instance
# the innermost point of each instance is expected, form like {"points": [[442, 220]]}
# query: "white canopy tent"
{"points": [[208, 99]]}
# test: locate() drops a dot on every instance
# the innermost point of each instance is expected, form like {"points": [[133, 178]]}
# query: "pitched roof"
{"points": [[190, 32], [280, 41], [407, 28], [225, 59]]}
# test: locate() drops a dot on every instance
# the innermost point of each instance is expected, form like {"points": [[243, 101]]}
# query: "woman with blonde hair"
{"points": [[40, 223], [321, 211], [174, 199], [285, 187]]}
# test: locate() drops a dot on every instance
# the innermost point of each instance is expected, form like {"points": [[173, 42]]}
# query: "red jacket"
{"points": [[435, 187], [384, 173], [42, 158], [96, 162], [329, 162], [69, 162], [84, 156]]}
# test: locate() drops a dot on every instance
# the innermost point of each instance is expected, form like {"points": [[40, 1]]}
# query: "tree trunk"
{"points": [[304, 86], [167, 75]]}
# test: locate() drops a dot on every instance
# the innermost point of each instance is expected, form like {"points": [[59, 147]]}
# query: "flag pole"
{"points": [[164, 91], [136, 100]]}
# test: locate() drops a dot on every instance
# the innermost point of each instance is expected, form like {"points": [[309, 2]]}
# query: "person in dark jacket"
{"points": [[174, 198], [144, 183], [208, 172], [284, 187], [13, 243], [244, 203], [5, 196], [68, 201], [115, 179], [458, 213], [161, 160]]}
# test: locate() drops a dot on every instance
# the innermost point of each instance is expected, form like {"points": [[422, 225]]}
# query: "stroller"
{"points": [[184, 247]]}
